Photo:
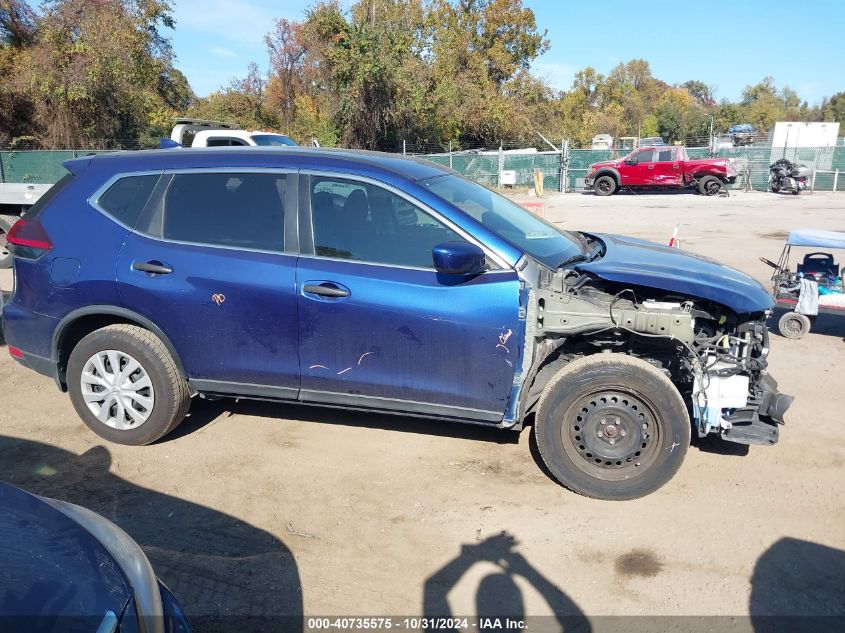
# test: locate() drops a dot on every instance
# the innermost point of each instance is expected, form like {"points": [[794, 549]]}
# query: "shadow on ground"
{"points": [[227, 574], [798, 586], [498, 598], [205, 412]]}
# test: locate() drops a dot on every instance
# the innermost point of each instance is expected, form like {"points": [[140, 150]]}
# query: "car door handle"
{"points": [[651, 166], [153, 267], [325, 289]]}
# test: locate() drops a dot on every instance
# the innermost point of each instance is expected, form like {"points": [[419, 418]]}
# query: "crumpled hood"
{"points": [[644, 263]]}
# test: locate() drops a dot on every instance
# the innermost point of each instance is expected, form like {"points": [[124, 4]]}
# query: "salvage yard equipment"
{"points": [[816, 287]]}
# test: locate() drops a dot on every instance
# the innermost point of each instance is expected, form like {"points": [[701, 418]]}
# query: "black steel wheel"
{"points": [[710, 186], [604, 186], [612, 426]]}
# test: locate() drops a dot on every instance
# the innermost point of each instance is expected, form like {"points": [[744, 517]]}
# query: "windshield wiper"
{"points": [[580, 257]]}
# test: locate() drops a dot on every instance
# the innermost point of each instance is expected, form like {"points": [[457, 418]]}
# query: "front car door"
{"points": [[379, 327], [641, 172], [212, 263]]}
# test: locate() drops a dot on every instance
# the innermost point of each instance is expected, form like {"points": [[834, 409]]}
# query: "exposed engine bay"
{"points": [[716, 358]]}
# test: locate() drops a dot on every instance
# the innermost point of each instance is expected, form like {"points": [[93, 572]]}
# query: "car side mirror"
{"points": [[459, 258]]}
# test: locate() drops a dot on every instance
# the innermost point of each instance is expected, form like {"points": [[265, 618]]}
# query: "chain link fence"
{"points": [[511, 165]]}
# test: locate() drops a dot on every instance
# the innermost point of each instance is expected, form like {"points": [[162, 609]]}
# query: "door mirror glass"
{"points": [[459, 258]]}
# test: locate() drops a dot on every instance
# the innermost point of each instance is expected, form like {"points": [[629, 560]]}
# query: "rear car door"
{"points": [[212, 262], [667, 171], [379, 327]]}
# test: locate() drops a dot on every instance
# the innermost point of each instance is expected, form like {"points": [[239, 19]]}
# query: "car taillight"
{"points": [[29, 239], [14, 352]]}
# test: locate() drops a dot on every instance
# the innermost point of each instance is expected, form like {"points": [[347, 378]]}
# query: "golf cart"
{"points": [[816, 287]]}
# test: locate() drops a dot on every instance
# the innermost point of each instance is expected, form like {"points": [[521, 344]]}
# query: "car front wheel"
{"points": [[612, 426], [604, 186], [125, 385]]}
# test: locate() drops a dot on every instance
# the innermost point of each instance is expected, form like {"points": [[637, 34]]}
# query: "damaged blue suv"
{"points": [[370, 281]]}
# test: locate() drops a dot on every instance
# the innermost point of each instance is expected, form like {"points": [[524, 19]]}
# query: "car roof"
{"points": [[268, 157]]}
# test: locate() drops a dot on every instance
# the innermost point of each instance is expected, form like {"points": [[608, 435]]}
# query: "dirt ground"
{"points": [[264, 509]]}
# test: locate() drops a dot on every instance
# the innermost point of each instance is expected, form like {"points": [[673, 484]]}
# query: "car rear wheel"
{"points": [[125, 385], [6, 222], [793, 325], [612, 426], [710, 186], [604, 186]]}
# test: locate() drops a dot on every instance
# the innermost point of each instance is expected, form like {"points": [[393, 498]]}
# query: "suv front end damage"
{"points": [[715, 356]]}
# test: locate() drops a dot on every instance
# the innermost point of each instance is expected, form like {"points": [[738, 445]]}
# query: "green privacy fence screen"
{"points": [[37, 167], [45, 166]]}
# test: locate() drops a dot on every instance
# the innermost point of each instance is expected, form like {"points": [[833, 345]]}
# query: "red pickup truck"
{"points": [[661, 166]]}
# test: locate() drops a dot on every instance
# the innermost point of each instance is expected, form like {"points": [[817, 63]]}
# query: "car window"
{"points": [[540, 239], [224, 142], [363, 222], [645, 156], [666, 155], [244, 210], [126, 198], [272, 140]]}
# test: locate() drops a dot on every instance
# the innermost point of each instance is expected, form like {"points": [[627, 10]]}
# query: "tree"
{"points": [[833, 109], [99, 70]]}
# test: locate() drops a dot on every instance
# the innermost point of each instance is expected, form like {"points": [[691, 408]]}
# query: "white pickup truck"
{"points": [[201, 133], [26, 175]]}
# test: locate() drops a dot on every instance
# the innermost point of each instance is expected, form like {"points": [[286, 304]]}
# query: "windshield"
{"points": [[536, 237], [272, 140]]}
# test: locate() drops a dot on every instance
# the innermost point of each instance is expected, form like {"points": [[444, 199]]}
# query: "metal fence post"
{"points": [[403, 147], [813, 180], [450, 154], [564, 165], [501, 166], [835, 179]]}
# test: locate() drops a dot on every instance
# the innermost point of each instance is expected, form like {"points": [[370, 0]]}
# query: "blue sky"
{"points": [[727, 44]]}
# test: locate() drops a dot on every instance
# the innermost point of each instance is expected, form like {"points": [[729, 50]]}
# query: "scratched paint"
{"points": [[347, 369]]}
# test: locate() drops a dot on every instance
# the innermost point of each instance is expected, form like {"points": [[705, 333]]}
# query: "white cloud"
{"points": [[223, 52], [558, 75]]}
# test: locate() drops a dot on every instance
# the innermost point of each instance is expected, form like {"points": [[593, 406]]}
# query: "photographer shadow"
{"points": [[498, 598]]}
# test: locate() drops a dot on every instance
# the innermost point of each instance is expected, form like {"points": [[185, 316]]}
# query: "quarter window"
{"points": [[244, 210], [126, 198], [362, 222], [666, 156]]}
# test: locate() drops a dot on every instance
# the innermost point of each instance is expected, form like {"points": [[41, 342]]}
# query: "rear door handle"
{"points": [[327, 289], [153, 267]]}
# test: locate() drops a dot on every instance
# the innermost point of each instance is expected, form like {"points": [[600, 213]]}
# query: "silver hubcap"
{"points": [[117, 390]]}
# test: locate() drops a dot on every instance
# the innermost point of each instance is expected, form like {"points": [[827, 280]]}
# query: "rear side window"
{"points": [[666, 155], [240, 210], [126, 198]]}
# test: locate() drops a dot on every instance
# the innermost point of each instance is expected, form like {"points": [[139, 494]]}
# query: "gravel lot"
{"points": [[263, 509]]}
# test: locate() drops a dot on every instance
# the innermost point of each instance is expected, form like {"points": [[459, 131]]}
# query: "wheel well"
{"points": [[659, 352], [78, 330], [607, 172]]}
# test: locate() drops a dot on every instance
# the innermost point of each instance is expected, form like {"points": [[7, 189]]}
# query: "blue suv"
{"points": [[370, 281]]}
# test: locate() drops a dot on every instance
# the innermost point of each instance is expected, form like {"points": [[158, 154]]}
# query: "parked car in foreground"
{"points": [[368, 281], [661, 167], [66, 569]]}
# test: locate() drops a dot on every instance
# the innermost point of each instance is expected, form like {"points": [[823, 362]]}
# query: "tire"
{"points": [[795, 192], [648, 419], [793, 325], [6, 222], [710, 186], [167, 396], [604, 186]]}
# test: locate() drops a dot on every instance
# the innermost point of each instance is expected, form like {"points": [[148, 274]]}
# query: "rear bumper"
{"points": [[22, 331]]}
